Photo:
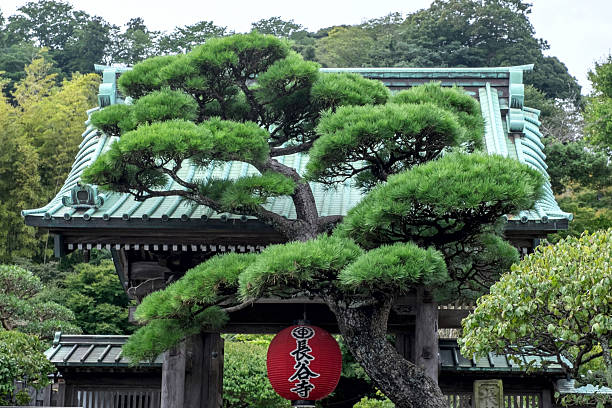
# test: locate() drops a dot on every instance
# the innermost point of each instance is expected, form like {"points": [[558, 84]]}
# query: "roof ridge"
{"points": [[508, 69]]}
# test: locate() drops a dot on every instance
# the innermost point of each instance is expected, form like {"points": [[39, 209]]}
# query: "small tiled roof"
{"points": [[105, 351], [510, 130], [91, 351], [569, 387], [451, 359]]}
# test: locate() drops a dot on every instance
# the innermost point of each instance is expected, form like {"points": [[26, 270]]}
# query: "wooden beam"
{"points": [[70, 396], [61, 394], [47, 396], [117, 260], [195, 376], [451, 319], [537, 227]]}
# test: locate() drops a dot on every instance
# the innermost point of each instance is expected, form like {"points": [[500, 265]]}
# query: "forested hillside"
{"points": [[450, 33]]}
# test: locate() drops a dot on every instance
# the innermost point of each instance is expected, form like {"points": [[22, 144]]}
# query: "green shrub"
{"points": [[366, 402], [245, 381], [21, 356]]}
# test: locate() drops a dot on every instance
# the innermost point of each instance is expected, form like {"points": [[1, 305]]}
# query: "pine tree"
{"points": [[429, 221]]}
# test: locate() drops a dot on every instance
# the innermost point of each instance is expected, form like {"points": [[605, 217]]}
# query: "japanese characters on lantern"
{"points": [[303, 373]]}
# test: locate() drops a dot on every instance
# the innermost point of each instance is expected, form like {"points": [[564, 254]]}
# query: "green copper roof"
{"points": [[123, 206], [510, 130], [517, 135], [451, 359], [91, 351], [570, 387]]}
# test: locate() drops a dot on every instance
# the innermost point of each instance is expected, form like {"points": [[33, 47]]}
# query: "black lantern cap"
{"points": [[303, 404]]}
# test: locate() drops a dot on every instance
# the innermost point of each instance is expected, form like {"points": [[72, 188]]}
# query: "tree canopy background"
{"points": [[449, 33], [555, 303]]}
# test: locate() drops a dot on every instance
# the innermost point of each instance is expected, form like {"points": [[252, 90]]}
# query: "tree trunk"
{"points": [[364, 330]]}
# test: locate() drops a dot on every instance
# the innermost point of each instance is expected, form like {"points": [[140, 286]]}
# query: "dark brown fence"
{"points": [[97, 398], [512, 400]]}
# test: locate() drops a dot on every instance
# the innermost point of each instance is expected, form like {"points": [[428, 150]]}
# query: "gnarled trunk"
{"points": [[364, 330]]}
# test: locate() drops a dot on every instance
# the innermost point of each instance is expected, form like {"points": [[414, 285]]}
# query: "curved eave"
{"points": [[518, 136]]}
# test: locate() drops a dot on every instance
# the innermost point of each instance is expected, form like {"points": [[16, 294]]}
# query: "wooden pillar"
{"points": [[214, 347], [173, 377], [425, 350], [192, 374], [547, 398]]}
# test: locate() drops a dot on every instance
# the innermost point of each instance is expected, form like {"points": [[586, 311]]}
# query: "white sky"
{"points": [[578, 31]]}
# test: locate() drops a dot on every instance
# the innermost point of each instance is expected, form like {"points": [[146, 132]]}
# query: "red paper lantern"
{"points": [[304, 363]]}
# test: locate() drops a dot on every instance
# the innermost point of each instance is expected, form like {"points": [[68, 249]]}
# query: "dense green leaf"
{"points": [[443, 201], [159, 335], [555, 303], [184, 39], [297, 266], [253, 191], [338, 89], [136, 160], [159, 106], [598, 112], [286, 85], [277, 27], [396, 268], [114, 119], [204, 285], [247, 54], [97, 298], [21, 358], [144, 77], [245, 382], [23, 305], [577, 162], [453, 99], [474, 264]]}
